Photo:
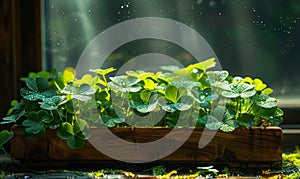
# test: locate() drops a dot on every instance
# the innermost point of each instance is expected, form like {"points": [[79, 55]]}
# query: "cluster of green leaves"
{"points": [[248, 102], [173, 97], [199, 97], [45, 105]]}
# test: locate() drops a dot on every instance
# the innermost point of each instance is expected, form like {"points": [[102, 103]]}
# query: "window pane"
{"points": [[250, 38]]}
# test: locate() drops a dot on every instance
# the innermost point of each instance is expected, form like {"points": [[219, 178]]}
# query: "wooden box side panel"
{"points": [[257, 145], [50, 147]]}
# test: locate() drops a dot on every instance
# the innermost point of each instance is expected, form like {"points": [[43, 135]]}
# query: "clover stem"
{"points": [[107, 87], [79, 107], [127, 110], [165, 121], [250, 107], [66, 115], [242, 101], [58, 114], [51, 113], [237, 108], [57, 86], [104, 78]]}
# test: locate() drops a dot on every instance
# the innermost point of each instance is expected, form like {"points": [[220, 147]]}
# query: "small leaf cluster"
{"points": [[173, 97], [45, 104], [248, 102]]}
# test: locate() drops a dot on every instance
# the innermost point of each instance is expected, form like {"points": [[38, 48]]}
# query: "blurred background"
{"points": [[250, 38]]}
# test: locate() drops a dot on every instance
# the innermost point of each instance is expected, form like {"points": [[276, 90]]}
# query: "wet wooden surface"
{"points": [[257, 147]]}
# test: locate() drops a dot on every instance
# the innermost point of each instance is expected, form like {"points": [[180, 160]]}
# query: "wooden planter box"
{"points": [[255, 147]]}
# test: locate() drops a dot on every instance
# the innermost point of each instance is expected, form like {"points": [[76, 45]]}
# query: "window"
{"points": [[250, 38]]}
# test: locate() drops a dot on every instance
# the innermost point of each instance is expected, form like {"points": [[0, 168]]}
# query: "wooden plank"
{"points": [[20, 47], [241, 145], [6, 65]]}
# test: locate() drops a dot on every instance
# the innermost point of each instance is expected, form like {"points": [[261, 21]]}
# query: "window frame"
{"points": [[20, 53]]}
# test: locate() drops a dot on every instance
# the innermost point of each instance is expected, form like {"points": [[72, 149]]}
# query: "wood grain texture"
{"points": [[241, 145], [20, 47]]}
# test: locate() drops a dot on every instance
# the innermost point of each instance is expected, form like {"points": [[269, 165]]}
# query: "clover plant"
{"points": [[201, 98]]}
